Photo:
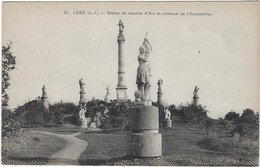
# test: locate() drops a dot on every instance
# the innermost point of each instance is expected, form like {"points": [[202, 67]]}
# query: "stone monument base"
{"points": [[121, 93], [167, 123], [145, 140], [146, 145], [83, 123]]}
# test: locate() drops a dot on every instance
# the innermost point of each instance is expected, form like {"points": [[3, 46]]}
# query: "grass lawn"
{"points": [[64, 129], [179, 148], [30, 148]]}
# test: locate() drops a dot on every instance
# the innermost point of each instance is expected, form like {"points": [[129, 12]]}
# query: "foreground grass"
{"points": [[30, 148], [64, 129], [179, 148]]}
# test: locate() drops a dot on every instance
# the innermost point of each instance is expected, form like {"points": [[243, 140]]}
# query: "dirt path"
{"points": [[71, 153]]}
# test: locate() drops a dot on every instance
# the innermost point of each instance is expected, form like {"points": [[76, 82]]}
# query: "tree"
{"points": [[193, 113], [9, 124], [248, 124], [247, 113], [8, 64], [231, 116]]}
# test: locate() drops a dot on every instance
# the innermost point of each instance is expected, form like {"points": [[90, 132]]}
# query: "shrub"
{"points": [[193, 113], [231, 116], [9, 123], [248, 124]]}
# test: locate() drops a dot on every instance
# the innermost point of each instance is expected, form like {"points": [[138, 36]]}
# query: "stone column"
{"points": [[195, 96], [195, 100], [82, 93], [82, 99], [160, 92], [121, 88], [44, 99]]}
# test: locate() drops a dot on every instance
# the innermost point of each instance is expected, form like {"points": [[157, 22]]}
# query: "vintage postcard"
{"points": [[130, 83]]}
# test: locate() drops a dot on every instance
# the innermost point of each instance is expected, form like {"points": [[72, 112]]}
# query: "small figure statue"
{"points": [[137, 95], [159, 83], [195, 96], [195, 93], [82, 113], [44, 90], [81, 84], [107, 94], [144, 71], [93, 125], [121, 27], [167, 113]]}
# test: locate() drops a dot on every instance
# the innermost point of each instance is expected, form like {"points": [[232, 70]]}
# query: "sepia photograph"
{"points": [[130, 83]]}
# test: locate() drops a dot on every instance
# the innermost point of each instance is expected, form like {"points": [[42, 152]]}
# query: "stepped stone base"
{"points": [[84, 123], [145, 140], [167, 123], [146, 145]]}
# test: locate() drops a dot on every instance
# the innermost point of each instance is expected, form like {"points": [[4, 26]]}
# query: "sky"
{"points": [[217, 53]]}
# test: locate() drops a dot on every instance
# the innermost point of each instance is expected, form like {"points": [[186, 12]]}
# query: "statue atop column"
{"points": [[121, 86], [195, 96], [144, 71]]}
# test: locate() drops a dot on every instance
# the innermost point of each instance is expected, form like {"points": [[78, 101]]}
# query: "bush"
{"points": [[9, 124], [193, 113], [248, 125], [231, 116]]}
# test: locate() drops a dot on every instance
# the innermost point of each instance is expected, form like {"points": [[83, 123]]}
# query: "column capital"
{"points": [[120, 38]]}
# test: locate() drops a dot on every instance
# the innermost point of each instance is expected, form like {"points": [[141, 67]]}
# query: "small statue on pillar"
{"points": [[195, 96], [144, 72]]}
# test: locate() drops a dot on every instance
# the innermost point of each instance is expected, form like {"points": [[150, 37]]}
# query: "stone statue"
{"points": [[195, 96], [159, 83], [144, 71], [121, 27], [82, 113], [195, 93], [137, 95], [81, 84], [44, 90], [167, 113], [107, 94]]}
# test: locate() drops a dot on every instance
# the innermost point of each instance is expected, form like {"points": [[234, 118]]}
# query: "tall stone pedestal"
{"points": [[160, 97], [121, 95], [82, 99], [146, 141], [167, 123], [83, 123], [45, 102]]}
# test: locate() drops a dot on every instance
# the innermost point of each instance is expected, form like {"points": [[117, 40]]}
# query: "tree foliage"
{"points": [[248, 124], [193, 113], [231, 116], [9, 124], [8, 64]]}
